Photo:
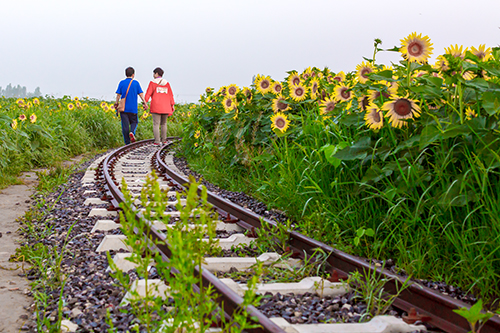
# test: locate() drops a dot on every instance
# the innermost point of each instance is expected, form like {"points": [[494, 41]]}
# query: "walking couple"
{"points": [[162, 104]]}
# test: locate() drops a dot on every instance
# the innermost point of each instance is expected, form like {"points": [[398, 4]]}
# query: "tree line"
{"points": [[18, 91]]}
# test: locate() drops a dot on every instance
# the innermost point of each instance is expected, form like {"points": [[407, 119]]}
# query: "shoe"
{"points": [[132, 137], [156, 144]]}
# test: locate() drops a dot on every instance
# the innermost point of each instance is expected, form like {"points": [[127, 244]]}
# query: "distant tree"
{"points": [[19, 91]]}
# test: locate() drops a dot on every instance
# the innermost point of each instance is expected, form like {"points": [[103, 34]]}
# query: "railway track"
{"points": [[135, 161]]}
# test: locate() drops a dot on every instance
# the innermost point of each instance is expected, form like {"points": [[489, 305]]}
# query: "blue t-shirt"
{"points": [[135, 89]]}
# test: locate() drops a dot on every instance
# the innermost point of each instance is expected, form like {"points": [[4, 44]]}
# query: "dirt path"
{"points": [[14, 202]]}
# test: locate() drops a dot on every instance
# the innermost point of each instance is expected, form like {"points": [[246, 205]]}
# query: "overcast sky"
{"points": [[82, 47]]}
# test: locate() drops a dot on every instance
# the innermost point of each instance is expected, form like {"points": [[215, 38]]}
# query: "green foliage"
{"points": [[475, 316], [428, 185]]}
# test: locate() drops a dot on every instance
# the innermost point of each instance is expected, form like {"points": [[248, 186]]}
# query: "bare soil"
{"points": [[15, 200]]}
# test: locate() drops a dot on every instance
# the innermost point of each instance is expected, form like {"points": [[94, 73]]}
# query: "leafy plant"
{"points": [[475, 316]]}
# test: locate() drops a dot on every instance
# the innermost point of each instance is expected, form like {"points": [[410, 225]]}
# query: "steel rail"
{"points": [[426, 301], [227, 298]]}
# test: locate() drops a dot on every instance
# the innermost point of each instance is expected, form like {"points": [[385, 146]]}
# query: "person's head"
{"points": [[129, 72], [158, 71]]}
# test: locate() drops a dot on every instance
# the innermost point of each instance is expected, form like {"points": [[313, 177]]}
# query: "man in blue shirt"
{"points": [[129, 115]]}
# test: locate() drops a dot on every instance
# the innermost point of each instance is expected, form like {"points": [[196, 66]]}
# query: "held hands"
{"points": [[144, 106]]}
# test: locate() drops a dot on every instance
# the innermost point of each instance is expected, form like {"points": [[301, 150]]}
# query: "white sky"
{"points": [[82, 47]]}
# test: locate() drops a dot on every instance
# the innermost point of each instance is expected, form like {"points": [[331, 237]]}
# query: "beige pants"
{"points": [[160, 125]]}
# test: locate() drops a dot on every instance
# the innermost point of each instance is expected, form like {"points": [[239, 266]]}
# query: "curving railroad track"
{"points": [[135, 161]]}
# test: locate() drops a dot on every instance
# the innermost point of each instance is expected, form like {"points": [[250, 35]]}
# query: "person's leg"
{"points": [[156, 125], [163, 127], [134, 121], [125, 127]]}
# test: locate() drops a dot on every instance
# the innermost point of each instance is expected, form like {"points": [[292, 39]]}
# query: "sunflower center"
{"points": [[299, 91], [376, 116], [281, 105], [296, 81], [264, 84], [330, 106], [277, 88], [280, 123], [365, 72], [345, 93], [415, 49], [232, 91], [315, 88], [228, 103], [337, 78], [402, 107]]}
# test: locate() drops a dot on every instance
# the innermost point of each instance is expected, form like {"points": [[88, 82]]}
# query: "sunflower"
{"points": [[307, 73], [340, 77], [75, 98], [298, 92], [280, 104], [111, 106], [276, 88], [456, 51], [280, 122], [363, 70], [196, 144], [228, 104], [79, 105], [264, 84], [197, 134], [363, 102], [22, 117], [469, 113], [481, 52], [343, 93], [416, 48], [374, 118], [248, 94], [400, 109], [314, 86], [71, 106], [232, 90], [103, 104], [20, 102], [208, 90], [393, 88], [14, 124], [36, 101], [468, 75], [106, 108], [33, 118], [293, 79], [441, 64], [327, 106]]}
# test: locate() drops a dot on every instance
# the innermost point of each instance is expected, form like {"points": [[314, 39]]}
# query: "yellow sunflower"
{"points": [[363, 70], [401, 109], [280, 122], [208, 90], [229, 104], [264, 84], [456, 51], [481, 52], [71, 106], [33, 118], [441, 63], [363, 102], [20, 102], [314, 87], [22, 117], [343, 93], [103, 104], [340, 77], [469, 113], [14, 124], [36, 101], [276, 88], [298, 92], [294, 79], [374, 118], [307, 73], [280, 104], [79, 105], [197, 134], [468, 75], [232, 90], [416, 48], [327, 106], [75, 98]]}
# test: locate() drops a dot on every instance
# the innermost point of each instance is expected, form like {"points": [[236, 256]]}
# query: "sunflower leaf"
{"points": [[491, 102], [357, 151], [383, 75]]}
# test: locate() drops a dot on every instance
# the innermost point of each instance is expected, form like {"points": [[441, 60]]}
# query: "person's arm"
{"points": [[144, 104], [118, 96]]}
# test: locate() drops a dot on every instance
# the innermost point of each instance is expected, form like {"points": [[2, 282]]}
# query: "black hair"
{"points": [[129, 72], [158, 71]]}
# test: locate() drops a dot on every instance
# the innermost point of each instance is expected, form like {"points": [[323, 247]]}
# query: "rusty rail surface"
{"points": [[426, 301], [228, 299]]}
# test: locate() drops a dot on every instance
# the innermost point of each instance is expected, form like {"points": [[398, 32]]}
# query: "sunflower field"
{"points": [[410, 150], [41, 132]]}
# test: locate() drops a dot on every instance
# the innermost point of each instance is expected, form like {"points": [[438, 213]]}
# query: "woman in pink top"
{"points": [[162, 104]]}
